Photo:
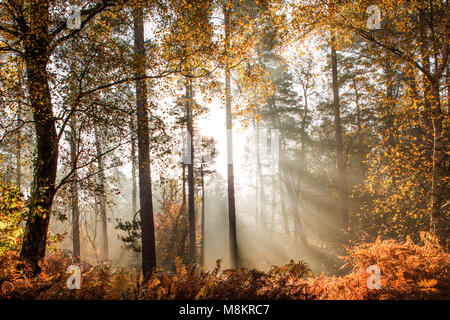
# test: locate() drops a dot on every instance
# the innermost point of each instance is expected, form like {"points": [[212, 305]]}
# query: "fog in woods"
{"points": [[205, 145]]}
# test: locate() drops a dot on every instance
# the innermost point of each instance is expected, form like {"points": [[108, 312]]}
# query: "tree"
{"points": [[231, 200], [74, 191], [101, 192], [342, 178], [207, 155], [145, 183], [36, 54], [190, 165], [34, 35], [281, 110], [133, 167], [413, 35]]}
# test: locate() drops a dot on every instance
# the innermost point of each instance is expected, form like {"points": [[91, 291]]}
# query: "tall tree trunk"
{"points": [[303, 154], [299, 232], [274, 199], [389, 106], [94, 237], [36, 46], [434, 123], [261, 196], [182, 247], [202, 259], [342, 178], [425, 59], [191, 200], [447, 80], [19, 120], [438, 220], [19, 143], [303, 132], [359, 141], [145, 183], [133, 169], [184, 190], [102, 193], [76, 253], [231, 199], [283, 211], [258, 219]]}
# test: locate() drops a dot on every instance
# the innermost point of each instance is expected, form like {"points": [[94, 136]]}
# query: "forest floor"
{"points": [[407, 271]]}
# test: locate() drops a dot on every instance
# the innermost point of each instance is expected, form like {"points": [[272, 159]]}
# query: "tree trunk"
{"points": [[342, 179], [231, 199], [202, 259], [425, 59], [389, 106], [45, 164], [258, 220], [359, 140], [434, 123], [19, 146], [274, 199], [184, 190], [261, 196], [438, 220], [303, 132], [102, 193], [76, 253], [299, 232], [19, 120], [145, 183], [283, 211], [94, 237], [133, 169], [447, 79], [191, 199]]}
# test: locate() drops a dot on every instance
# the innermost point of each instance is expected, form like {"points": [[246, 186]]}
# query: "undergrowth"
{"points": [[408, 271]]}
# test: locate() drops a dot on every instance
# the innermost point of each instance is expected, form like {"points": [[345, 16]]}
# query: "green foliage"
{"points": [[12, 212], [133, 234]]}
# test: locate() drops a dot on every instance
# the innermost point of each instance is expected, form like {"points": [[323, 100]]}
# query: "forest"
{"points": [[224, 150]]}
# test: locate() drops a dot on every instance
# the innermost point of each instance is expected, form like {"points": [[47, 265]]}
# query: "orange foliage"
{"points": [[408, 271]]}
